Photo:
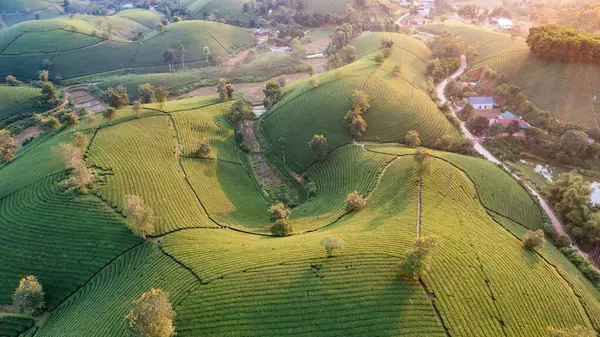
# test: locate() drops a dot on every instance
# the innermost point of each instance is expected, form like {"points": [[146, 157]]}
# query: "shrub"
{"points": [[152, 315], [355, 201], [29, 296], [534, 239], [140, 218], [334, 246], [563, 240], [203, 150], [279, 211], [281, 227], [418, 259], [412, 139]]}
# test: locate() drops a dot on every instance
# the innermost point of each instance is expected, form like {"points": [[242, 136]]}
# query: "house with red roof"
{"points": [[506, 117]]}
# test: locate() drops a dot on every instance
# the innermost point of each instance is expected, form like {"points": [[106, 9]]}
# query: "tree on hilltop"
{"points": [[319, 146], [29, 296], [152, 315], [140, 218], [418, 259]]}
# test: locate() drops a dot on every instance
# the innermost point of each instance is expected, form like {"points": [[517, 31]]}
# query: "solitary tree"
{"points": [[355, 201], [412, 138], [146, 93], [204, 149], [7, 146], [162, 94], [140, 218], [118, 97], [279, 211], [43, 75], [79, 140], [357, 126], [334, 246], [230, 89], [397, 70], [422, 159], [314, 81], [169, 58], [29, 296], [206, 51], [513, 127], [418, 259], [534, 239], [360, 101], [182, 53], [137, 108], [160, 27], [319, 146], [152, 315], [349, 54], [282, 227], [50, 93], [91, 119], [273, 93], [222, 89], [109, 114]]}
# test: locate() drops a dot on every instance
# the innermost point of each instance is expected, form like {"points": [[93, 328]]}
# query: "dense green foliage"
{"points": [[564, 44]]}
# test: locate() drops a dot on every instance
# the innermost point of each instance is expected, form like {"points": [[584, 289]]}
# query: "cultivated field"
{"points": [[75, 50], [17, 103]]}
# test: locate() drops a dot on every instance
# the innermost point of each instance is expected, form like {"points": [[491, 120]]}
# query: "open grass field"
{"points": [[567, 90], [396, 106], [79, 53], [18, 102]]}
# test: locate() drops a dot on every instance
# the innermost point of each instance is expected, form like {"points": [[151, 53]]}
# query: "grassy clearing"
{"points": [[143, 156], [38, 220], [98, 308]]}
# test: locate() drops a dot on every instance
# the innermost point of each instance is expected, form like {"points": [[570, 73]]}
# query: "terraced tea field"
{"points": [[212, 250], [18, 103], [75, 50]]}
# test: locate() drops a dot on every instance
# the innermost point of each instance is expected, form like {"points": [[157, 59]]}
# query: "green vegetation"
{"points": [[78, 52], [18, 103]]}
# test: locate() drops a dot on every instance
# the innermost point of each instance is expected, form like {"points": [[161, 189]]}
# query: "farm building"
{"points": [[505, 23], [428, 3], [284, 49], [506, 117], [482, 102]]}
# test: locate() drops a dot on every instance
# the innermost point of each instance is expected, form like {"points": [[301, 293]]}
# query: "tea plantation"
{"points": [[211, 247]]}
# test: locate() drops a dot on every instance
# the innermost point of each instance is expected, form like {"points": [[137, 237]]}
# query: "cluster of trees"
{"points": [[342, 36], [564, 44], [225, 90], [282, 225], [418, 259], [356, 124], [570, 197], [446, 49], [273, 93]]}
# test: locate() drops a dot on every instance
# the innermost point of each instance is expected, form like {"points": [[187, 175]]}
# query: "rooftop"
{"points": [[481, 100]]}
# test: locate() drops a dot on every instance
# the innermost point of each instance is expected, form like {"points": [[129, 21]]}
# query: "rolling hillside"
{"points": [[566, 90], [396, 107], [16, 11], [76, 50], [18, 103]]}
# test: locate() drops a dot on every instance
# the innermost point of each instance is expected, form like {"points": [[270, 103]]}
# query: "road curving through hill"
{"points": [[556, 224]]}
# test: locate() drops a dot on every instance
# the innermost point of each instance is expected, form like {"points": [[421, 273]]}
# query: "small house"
{"points": [[482, 102], [506, 117], [505, 23]]}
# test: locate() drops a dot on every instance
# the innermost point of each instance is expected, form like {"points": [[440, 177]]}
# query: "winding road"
{"points": [[558, 226]]}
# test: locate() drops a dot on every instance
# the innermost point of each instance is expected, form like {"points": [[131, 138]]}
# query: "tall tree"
{"points": [[109, 114], [319, 146], [146, 93], [423, 160], [206, 51], [273, 93], [169, 57], [118, 97], [182, 53]]}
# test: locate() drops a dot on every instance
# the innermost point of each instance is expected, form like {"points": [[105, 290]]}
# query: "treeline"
{"points": [[564, 44]]}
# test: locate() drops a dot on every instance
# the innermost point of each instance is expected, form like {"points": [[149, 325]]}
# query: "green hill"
{"points": [[76, 48], [226, 277], [566, 90], [16, 11], [18, 103], [396, 107]]}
